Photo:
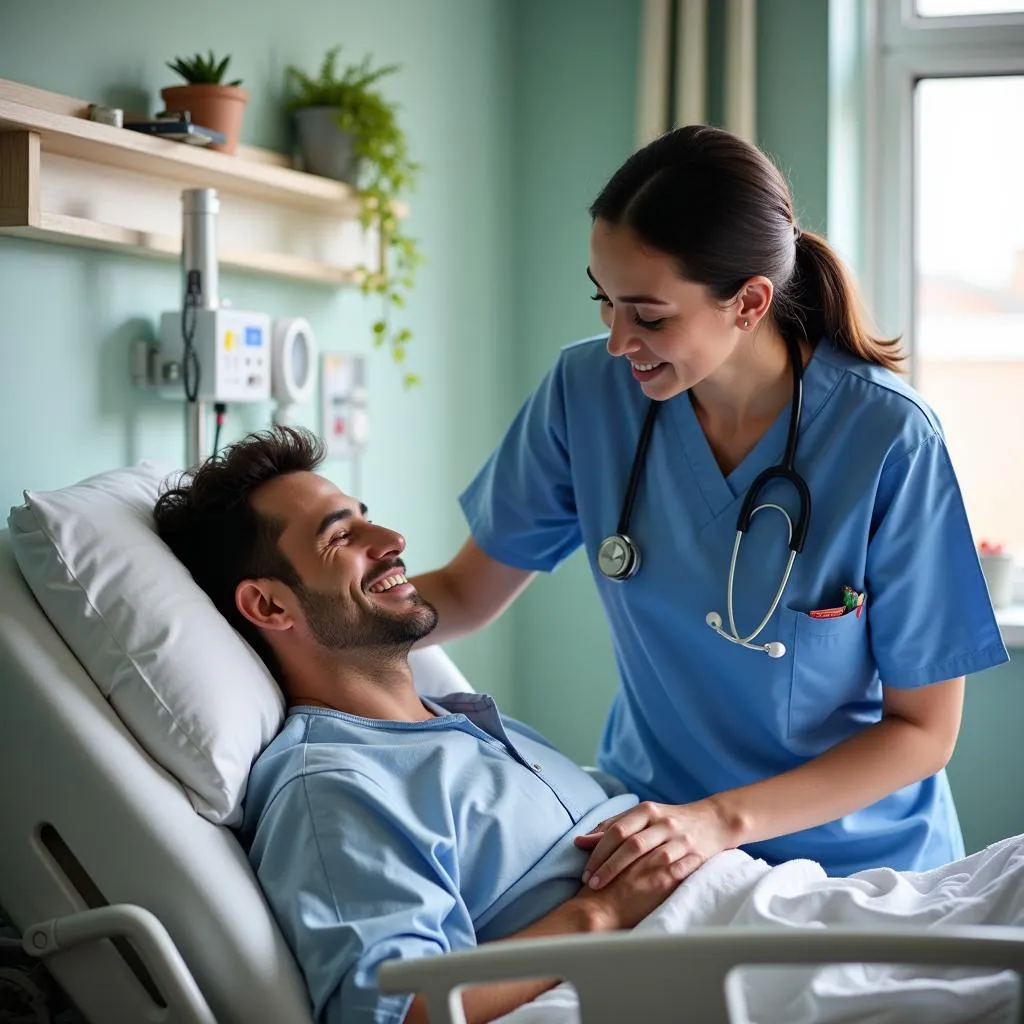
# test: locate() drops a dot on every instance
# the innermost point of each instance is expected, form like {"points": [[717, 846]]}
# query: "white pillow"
{"points": [[194, 694]]}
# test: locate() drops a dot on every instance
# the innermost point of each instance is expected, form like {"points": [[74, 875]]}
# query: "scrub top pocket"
{"points": [[834, 689]]}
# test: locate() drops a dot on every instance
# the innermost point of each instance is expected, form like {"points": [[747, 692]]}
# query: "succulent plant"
{"points": [[200, 70]]}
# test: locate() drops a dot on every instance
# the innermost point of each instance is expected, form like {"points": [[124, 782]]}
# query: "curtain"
{"points": [[674, 66]]}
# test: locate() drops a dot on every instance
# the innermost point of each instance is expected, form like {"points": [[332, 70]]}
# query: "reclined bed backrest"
{"points": [[122, 794]]}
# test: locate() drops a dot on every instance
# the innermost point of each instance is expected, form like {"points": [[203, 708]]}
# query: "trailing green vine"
{"points": [[386, 171]]}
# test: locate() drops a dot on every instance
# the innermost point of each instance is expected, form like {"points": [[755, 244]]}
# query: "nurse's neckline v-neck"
{"points": [[720, 490]]}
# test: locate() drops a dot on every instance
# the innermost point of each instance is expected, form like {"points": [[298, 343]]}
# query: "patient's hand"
{"points": [[673, 839], [627, 899]]}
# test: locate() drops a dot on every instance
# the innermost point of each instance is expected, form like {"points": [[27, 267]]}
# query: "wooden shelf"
{"points": [[66, 230], [68, 180]]}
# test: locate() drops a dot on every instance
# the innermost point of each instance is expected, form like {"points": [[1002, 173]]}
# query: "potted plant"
{"points": [[349, 131], [210, 101]]}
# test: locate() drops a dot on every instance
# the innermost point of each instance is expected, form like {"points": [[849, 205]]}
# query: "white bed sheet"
{"points": [[735, 889]]}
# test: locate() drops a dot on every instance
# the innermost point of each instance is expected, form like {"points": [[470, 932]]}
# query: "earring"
{"points": [[746, 323]]}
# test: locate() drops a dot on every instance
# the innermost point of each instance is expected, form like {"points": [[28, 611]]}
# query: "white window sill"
{"points": [[1011, 624]]}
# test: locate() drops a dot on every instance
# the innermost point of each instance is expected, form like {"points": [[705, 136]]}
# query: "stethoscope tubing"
{"points": [[618, 556]]}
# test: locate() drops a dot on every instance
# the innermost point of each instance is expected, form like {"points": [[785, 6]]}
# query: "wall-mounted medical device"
{"points": [[293, 355], [345, 423], [209, 353], [231, 354]]}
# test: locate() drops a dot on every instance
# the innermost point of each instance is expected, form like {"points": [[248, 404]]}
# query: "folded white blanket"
{"points": [[735, 889]]}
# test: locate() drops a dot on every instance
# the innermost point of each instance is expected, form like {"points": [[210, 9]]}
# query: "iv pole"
{"points": [[199, 270]]}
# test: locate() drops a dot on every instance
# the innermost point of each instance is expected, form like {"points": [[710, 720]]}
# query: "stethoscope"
{"points": [[618, 557]]}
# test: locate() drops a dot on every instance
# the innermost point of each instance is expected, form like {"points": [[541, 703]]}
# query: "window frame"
{"points": [[899, 48], [902, 28]]}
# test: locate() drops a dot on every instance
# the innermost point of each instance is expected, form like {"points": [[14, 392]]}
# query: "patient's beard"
{"points": [[338, 625]]}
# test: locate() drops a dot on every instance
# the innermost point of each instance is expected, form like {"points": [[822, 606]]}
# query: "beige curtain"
{"points": [[673, 66]]}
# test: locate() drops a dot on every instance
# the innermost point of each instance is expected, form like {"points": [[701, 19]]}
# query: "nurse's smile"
{"points": [[644, 372]]}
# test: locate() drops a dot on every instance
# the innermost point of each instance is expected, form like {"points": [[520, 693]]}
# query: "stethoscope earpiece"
{"points": [[774, 649]]}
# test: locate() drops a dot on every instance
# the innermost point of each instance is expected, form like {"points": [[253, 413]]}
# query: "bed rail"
{"points": [[185, 1002], [688, 974]]}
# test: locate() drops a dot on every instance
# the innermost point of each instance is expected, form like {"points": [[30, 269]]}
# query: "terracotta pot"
{"points": [[219, 107]]}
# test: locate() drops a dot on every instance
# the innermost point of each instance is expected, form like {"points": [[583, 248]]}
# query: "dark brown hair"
{"points": [[210, 525], [723, 210]]}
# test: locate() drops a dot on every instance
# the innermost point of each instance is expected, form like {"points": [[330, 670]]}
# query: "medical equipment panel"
{"points": [[232, 349]]}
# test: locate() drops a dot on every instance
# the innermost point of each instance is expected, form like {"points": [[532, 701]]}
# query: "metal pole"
{"points": [[195, 433], [200, 207]]}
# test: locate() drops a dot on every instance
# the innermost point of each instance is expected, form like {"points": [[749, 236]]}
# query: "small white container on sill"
{"points": [[999, 575]]}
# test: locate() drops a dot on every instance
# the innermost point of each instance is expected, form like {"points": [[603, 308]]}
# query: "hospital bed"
{"points": [[137, 897]]}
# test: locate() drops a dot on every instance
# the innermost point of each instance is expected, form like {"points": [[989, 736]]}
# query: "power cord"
{"points": [[188, 333], [219, 408]]}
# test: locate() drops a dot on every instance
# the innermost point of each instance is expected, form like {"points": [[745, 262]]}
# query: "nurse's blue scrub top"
{"points": [[695, 714]]}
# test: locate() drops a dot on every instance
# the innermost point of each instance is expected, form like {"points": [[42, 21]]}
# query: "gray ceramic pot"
{"points": [[326, 149]]}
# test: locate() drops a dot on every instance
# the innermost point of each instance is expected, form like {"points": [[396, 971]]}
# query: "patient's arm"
{"points": [[622, 904], [355, 878], [472, 590], [488, 1002]]}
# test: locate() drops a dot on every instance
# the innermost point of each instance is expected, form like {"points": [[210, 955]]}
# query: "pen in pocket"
{"points": [[853, 601]]}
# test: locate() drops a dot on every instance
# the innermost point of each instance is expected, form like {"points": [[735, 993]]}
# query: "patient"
{"points": [[383, 825], [380, 824]]}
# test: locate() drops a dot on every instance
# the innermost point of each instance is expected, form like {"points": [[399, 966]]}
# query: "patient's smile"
{"points": [[395, 583]]}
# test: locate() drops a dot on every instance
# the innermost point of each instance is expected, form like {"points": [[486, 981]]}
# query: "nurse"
{"points": [[826, 735]]}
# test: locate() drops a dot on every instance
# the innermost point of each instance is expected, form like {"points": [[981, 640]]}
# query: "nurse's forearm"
{"points": [[863, 769], [472, 590], [454, 620]]}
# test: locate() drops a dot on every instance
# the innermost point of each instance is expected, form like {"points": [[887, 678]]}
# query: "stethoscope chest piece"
{"points": [[618, 557]]}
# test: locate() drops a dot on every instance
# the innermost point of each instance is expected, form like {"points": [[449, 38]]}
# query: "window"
{"points": [[968, 303], [962, 8], [946, 233]]}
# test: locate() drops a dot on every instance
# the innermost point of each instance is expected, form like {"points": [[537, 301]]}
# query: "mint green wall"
{"points": [[575, 69], [792, 104], [66, 315], [792, 107], [988, 763]]}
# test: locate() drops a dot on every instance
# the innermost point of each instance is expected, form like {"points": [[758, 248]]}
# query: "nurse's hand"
{"points": [[680, 837]]}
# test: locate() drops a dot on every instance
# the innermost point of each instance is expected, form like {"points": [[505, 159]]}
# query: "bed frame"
{"points": [[690, 977]]}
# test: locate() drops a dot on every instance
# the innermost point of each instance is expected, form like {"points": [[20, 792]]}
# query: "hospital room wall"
{"points": [[575, 123], [67, 408]]}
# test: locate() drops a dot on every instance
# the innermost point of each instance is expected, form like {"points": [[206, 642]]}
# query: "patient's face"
{"points": [[354, 592]]}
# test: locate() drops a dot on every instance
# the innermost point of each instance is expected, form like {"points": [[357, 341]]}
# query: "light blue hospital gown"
{"points": [[377, 840], [694, 714]]}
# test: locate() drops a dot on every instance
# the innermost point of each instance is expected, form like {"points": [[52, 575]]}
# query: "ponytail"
{"points": [[821, 298]]}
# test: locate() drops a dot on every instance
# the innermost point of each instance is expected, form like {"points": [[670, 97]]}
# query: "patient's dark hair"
{"points": [[210, 525]]}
